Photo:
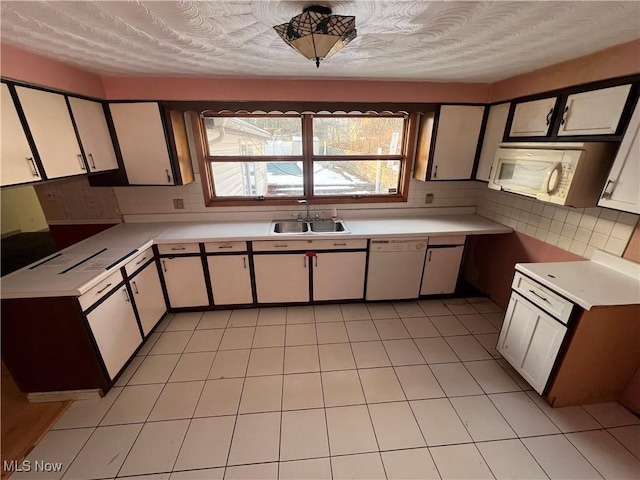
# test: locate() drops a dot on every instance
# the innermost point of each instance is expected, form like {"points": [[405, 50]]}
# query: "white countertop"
{"points": [[603, 281], [112, 248]]}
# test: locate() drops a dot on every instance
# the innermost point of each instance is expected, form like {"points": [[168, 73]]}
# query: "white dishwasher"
{"points": [[395, 268]]}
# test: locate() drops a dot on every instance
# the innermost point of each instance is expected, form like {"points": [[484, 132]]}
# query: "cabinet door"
{"points": [[530, 340], [457, 138], [94, 134], [596, 112], [115, 329], [148, 297], [18, 165], [282, 278], [143, 143], [533, 119], [493, 134], [230, 279], [185, 283], [441, 270], [622, 190], [50, 124], [339, 275]]}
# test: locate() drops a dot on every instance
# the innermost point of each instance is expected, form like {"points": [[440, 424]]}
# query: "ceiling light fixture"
{"points": [[317, 34]]}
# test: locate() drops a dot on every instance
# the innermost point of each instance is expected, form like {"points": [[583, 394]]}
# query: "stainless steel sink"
{"points": [[313, 227], [327, 226], [289, 226]]}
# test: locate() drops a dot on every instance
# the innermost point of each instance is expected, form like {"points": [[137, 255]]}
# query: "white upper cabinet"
{"points": [[94, 134], [622, 190], [533, 119], [596, 112], [18, 165], [457, 136], [50, 124], [494, 131]]}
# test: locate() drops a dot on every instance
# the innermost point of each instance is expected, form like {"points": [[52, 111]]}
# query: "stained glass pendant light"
{"points": [[317, 34]]}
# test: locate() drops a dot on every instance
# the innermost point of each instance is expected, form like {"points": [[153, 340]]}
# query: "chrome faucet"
{"points": [[305, 202]]}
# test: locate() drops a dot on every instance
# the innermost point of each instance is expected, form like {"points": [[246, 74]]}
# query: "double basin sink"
{"points": [[297, 227]]}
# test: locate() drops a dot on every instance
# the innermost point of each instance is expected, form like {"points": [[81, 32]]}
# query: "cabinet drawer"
{"points": [[138, 261], [545, 298], [283, 245], [447, 240], [178, 248], [338, 244], [100, 290], [212, 247]]}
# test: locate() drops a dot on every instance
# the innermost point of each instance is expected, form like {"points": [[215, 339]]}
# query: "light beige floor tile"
{"points": [[256, 439], [439, 422], [193, 366], [164, 322], [449, 325], [370, 354], [567, 419], [269, 336], [302, 314], [523, 415], [331, 332], [403, 352], [262, 471], [204, 474], [420, 327], [149, 343], [350, 430], [314, 469], [303, 435], [261, 394], [337, 356], [151, 476], [455, 380], [214, 319], [380, 385], [460, 462], [381, 310], [414, 464], [516, 377], [266, 361], [87, 413], [243, 318], [354, 311], [327, 313], [237, 338], [477, 324], [629, 437], [301, 334], [229, 364], [612, 414], [362, 331], [559, 458], [220, 397], [482, 419], [484, 305], [408, 309], [491, 377], [204, 341], [495, 319], [156, 448], [509, 459], [184, 321], [171, 342], [436, 350], [489, 342], [459, 306], [395, 426], [177, 400], [434, 308], [133, 405], [366, 466], [59, 446], [418, 382], [302, 390], [272, 316], [128, 373], [301, 359], [104, 453], [206, 444], [606, 454], [342, 388], [467, 348], [391, 329]]}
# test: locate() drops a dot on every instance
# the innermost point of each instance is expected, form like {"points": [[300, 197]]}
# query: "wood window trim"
{"points": [[206, 175]]}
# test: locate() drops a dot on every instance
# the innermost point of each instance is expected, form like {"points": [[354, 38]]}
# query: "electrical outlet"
{"points": [[178, 204], [428, 198]]}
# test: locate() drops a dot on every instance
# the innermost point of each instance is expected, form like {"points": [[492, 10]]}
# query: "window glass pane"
{"points": [[374, 177], [357, 135], [253, 136], [256, 179]]}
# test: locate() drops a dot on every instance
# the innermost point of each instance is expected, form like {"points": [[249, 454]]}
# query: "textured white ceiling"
{"points": [[397, 39]]}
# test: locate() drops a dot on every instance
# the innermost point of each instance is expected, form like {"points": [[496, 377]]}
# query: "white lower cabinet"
{"points": [[230, 279], [530, 340], [282, 278], [148, 297], [441, 269], [115, 329], [184, 279], [338, 275]]}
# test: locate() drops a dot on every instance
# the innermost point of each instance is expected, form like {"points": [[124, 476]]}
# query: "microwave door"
{"points": [[523, 176]]}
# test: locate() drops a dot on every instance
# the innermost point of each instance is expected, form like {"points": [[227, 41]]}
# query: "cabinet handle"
{"points": [[93, 163], [135, 287], [178, 248], [244, 262], [140, 261], [548, 119], [225, 246], [539, 296], [281, 246], [435, 172], [164, 266], [100, 291], [490, 170], [339, 244], [304, 260], [82, 166], [168, 176], [126, 295], [316, 257], [33, 165], [429, 259], [564, 115], [607, 193]]}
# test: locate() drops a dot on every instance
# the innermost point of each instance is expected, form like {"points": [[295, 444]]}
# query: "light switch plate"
{"points": [[178, 204]]}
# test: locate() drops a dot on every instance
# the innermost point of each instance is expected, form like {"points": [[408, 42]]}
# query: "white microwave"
{"points": [[562, 173]]}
